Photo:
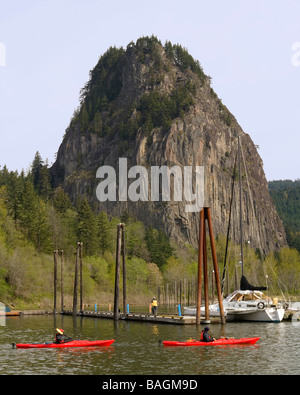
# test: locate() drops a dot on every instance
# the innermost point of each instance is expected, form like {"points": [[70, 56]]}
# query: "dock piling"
{"points": [[205, 215], [55, 252], [117, 273], [81, 277], [62, 278], [124, 267], [75, 296]]}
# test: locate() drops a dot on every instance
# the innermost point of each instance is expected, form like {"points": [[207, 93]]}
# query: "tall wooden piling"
{"points": [[205, 215], [55, 252], [75, 296], [120, 251], [81, 277], [117, 273], [62, 279], [200, 264], [205, 278], [215, 263], [124, 269]]}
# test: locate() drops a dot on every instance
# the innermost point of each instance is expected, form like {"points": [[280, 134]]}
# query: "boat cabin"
{"points": [[248, 296]]}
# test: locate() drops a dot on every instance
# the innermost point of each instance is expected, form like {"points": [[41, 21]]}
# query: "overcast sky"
{"points": [[251, 49]]}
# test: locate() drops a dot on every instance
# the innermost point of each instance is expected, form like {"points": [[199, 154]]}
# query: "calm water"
{"points": [[136, 350]]}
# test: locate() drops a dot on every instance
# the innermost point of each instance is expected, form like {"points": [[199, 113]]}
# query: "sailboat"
{"points": [[245, 305], [248, 303]]}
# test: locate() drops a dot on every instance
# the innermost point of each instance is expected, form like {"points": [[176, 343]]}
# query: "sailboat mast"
{"points": [[241, 222]]}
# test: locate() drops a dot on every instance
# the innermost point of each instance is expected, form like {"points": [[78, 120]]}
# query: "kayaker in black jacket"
{"points": [[60, 337], [205, 336]]}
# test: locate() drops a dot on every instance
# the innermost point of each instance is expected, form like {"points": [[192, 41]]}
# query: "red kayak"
{"points": [[74, 343], [218, 342]]}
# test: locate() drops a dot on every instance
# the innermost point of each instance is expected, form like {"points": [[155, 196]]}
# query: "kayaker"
{"points": [[154, 306], [205, 336], [60, 337]]}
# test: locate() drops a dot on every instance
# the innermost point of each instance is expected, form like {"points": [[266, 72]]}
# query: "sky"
{"points": [[250, 49]]}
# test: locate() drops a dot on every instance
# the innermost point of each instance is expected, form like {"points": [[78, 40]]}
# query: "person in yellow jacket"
{"points": [[154, 306]]}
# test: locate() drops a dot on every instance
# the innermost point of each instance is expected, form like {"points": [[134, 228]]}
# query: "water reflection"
{"points": [[137, 349]]}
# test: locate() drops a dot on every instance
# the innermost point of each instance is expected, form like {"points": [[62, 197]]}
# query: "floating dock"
{"points": [[160, 318], [144, 317]]}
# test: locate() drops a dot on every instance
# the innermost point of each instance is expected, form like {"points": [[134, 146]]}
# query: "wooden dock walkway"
{"points": [[160, 318], [143, 317]]}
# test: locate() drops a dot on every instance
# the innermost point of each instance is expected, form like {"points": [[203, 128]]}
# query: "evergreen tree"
{"points": [[84, 118], [41, 177], [41, 233], [4, 176], [28, 209], [87, 230], [36, 168], [286, 197], [44, 187], [15, 187], [159, 246], [33, 218], [61, 200], [104, 229]]}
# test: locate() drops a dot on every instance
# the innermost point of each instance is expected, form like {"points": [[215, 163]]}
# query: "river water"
{"points": [[137, 350]]}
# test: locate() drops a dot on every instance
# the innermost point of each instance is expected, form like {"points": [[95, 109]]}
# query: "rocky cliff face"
{"points": [[153, 105]]}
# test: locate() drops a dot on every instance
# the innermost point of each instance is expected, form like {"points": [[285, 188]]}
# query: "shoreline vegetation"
{"points": [[36, 219]]}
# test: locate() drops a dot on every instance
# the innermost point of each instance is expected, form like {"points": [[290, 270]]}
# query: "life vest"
{"points": [[154, 303], [207, 338]]}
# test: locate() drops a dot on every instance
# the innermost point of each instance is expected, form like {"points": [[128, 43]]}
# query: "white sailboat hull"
{"points": [[235, 309], [267, 315]]}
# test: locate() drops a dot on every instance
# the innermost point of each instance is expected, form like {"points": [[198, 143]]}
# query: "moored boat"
{"points": [[245, 305], [10, 313]]}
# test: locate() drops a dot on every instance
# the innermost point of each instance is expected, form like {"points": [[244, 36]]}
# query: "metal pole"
{"points": [[216, 269]]}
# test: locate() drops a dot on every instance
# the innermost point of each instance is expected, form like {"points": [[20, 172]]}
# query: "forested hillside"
{"points": [[286, 196], [35, 219]]}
